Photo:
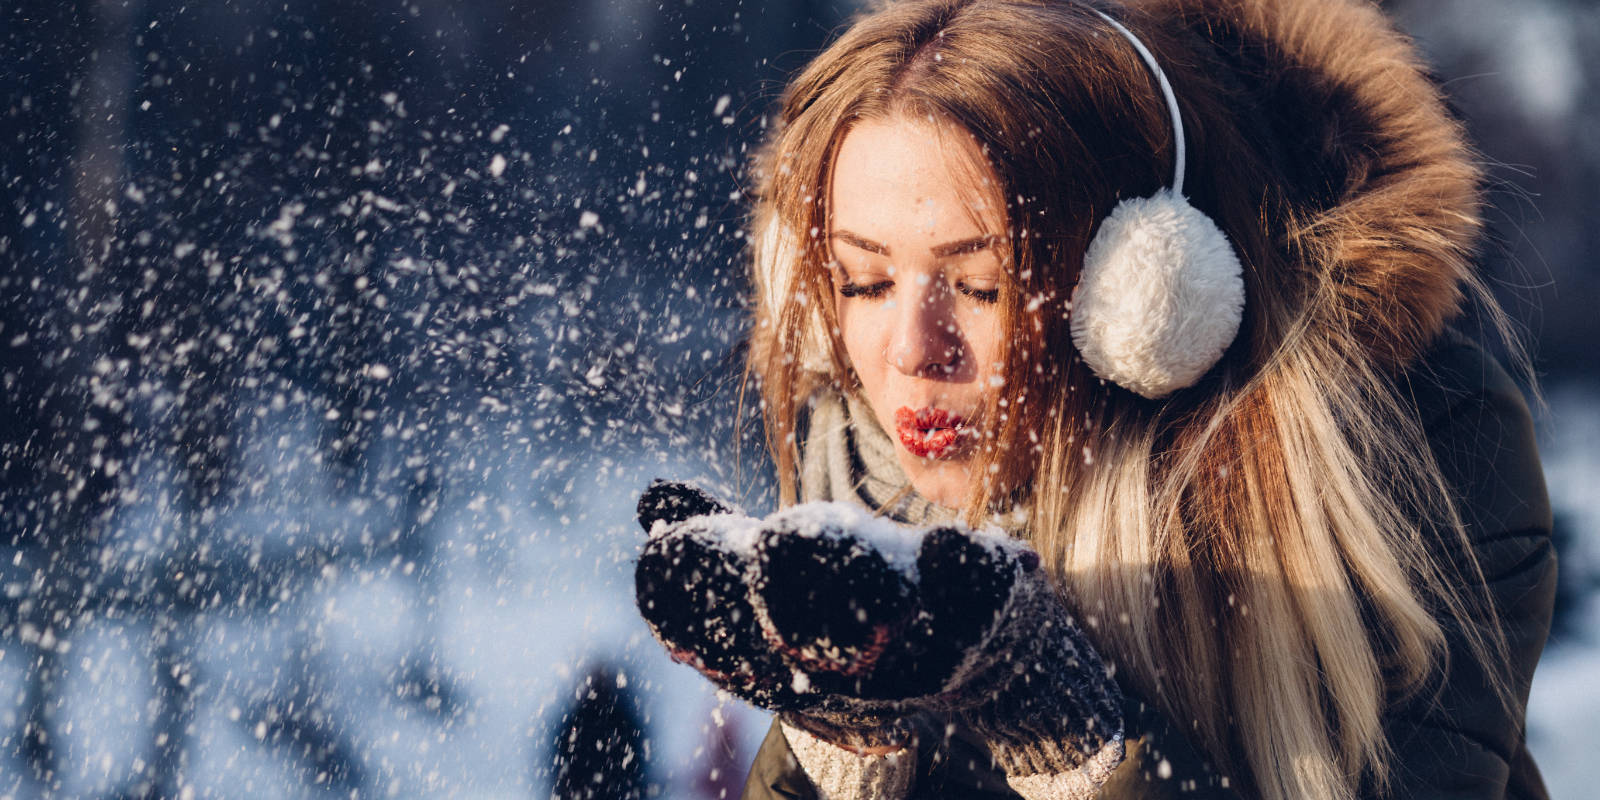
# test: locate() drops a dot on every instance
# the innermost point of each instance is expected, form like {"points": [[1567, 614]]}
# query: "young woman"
{"points": [[1165, 290]]}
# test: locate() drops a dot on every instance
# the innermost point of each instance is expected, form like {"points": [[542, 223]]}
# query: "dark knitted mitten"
{"points": [[846, 622], [1050, 710]]}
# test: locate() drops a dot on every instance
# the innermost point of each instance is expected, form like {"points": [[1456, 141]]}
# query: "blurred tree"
{"points": [[599, 744]]}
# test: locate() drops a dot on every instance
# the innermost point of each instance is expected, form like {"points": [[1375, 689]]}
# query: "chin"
{"points": [[943, 483]]}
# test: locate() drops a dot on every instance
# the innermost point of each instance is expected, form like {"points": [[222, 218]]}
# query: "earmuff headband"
{"points": [[1166, 92]]}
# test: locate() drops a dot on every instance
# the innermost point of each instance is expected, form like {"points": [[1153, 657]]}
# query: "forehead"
{"points": [[918, 171]]}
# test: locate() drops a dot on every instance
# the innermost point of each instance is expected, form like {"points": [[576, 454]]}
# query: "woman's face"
{"points": [[916, 275]]}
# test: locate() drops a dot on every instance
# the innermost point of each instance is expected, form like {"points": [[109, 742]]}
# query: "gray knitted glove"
{"points": [[844, 623]]}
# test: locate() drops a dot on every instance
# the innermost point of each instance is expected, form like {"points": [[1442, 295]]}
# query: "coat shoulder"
{"points": [[775, 774], [1481, 433]]}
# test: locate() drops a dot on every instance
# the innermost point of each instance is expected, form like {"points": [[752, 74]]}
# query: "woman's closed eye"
{"points": [[980, 292]]}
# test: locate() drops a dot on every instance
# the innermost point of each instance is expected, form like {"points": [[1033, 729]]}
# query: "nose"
{"points": [[926, 342]]}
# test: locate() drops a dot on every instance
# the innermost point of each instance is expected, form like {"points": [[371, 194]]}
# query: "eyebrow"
{"points": [[944, 250]]}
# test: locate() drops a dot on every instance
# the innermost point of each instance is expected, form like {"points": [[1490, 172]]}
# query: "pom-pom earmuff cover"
{"points": [[1160, 295]]}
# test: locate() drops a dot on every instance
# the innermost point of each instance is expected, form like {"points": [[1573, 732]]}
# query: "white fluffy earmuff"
{"points": [[1161, 292]]}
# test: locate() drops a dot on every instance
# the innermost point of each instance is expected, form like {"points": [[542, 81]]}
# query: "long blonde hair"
{"points": [[1253, 551]]}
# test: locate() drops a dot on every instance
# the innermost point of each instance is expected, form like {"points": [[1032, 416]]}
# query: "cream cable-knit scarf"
{"points": [[847, 456]]}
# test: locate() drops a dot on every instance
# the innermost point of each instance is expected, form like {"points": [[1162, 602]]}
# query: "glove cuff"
{"points": [[1028, 749], [1080, 783], [842, 774]]}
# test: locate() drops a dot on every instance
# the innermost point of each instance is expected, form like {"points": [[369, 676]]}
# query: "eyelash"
{"points": [[870, 291], [982, 295], [873, 291]]}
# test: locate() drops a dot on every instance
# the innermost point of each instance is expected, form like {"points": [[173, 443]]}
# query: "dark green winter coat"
{"points": [[1455, 743]]}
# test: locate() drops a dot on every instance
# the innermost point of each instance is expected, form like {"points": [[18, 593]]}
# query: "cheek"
{"points": [[864, 337], [984, 339]]}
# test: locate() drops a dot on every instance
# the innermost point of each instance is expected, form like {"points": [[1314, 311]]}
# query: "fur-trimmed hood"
{"points": [[1384, 190]]}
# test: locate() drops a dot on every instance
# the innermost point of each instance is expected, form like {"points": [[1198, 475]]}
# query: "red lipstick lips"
{"points": [[929, 432]]}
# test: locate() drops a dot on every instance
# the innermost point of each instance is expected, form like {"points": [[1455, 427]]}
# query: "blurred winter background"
{"points": [[336, 339]]}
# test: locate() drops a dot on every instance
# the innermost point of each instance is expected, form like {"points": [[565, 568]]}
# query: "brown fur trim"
{"points": [[1384, 191]]}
